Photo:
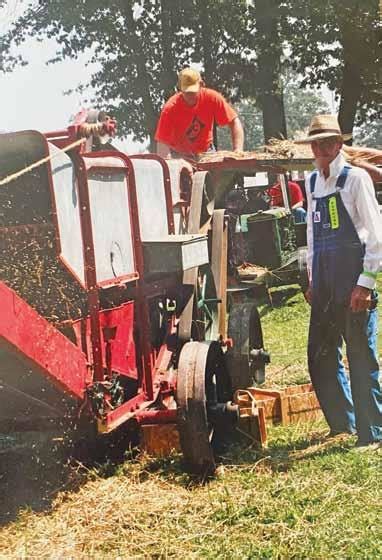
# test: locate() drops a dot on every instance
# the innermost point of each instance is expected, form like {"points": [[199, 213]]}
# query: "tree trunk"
{"points": [[143, 78], [269, 69], [350, 94], [168, 75], [206, 42]]}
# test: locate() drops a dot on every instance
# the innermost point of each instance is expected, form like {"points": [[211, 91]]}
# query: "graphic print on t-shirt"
{"points": [[194, 129]]}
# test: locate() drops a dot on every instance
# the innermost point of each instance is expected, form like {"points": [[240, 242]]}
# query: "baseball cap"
{"points": [[189, 80]]}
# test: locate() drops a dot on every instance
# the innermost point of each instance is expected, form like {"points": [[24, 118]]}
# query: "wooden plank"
{"points": [[160, 440], [297, 403]]}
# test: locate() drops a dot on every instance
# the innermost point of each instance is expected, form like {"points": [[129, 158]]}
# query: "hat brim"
{"points": [[321, 136], [191, 89]]}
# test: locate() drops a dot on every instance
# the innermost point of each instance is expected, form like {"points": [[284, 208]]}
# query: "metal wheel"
{"points": [[204, 403], [246, 359]]}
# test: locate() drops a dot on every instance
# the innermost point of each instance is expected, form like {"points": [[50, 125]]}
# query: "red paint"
{"points": [[24, 332], [117, 328]]}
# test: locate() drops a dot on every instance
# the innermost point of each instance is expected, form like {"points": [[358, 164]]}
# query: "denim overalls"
{"points": [[337, 263]]}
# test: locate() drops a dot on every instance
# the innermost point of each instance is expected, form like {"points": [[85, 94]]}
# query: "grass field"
{"points": [[304, 496]]}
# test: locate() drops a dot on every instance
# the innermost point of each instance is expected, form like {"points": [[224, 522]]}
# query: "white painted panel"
{"points": [[195, 253], [152, 210], [68, 211], [107, 161], [111, 225], [175, 167]]}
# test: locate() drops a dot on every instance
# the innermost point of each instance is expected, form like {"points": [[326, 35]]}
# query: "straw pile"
{"points": [[276, 149], [367, 154], [288, 150], [29, 265]]}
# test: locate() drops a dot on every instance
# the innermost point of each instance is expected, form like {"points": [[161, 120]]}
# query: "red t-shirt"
{"points": [[295, 194], [189, 129]]}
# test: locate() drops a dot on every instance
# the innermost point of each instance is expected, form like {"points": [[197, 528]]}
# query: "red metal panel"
{"points": [[119, 323], [117, 329], [123, 413], [25, 332], [166, 416]]}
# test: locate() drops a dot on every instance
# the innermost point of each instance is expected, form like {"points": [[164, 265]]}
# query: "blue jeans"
{"points": [[354, 406], [299, 215]]}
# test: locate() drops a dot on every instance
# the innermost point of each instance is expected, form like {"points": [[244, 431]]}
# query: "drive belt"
{"points": [[219, 271], [190, 276]]}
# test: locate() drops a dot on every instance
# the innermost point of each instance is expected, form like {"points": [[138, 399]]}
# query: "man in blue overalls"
{"points": [[344, 235]]}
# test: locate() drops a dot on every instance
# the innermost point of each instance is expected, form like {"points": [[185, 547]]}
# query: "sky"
{"points": [[32, 96]]}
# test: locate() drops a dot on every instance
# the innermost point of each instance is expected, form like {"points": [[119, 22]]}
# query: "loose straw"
{"points": [[18, 174]]}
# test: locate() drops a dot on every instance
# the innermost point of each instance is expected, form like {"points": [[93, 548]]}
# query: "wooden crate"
{"points": [[297, 403], [159, 440]]}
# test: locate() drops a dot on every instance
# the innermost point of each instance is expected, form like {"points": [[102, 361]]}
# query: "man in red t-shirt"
{"points": [[296, 199], [185, 126]]}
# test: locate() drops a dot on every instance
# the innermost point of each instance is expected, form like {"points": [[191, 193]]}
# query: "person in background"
{"points": [[344, 236], [296, 199], [185, 127]]}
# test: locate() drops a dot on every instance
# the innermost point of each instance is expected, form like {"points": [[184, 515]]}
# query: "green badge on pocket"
{"points": [[333, 213]]}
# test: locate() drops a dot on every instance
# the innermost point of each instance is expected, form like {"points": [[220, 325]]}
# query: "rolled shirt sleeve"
{"points": [[370, 230]]}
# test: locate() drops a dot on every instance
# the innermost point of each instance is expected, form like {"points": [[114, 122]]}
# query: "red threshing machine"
{"points": [[113, 294]]}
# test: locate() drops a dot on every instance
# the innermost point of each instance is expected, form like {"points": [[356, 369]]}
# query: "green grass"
{"points": [[302, 497], [285, 322]]}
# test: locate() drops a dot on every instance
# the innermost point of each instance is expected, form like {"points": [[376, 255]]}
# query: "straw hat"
{"points": [[189, 80], [323, 126]]}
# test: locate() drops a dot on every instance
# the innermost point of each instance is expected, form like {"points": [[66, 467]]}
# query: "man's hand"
{"points": [[308, 295], [360, 299]]}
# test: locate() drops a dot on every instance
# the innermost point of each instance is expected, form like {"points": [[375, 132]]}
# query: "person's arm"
{"points": [[237, 135], [163, 150], [298, 205], [368, 212], [164, 133], [295, 195], [374, 171]]}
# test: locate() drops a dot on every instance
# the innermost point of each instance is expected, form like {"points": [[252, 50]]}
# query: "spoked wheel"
{"points": [[246, 359], [204, 404]]}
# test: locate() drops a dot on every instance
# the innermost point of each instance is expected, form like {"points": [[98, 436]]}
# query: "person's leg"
{"points": [[299, 215], [361, 342], [327, 372]]}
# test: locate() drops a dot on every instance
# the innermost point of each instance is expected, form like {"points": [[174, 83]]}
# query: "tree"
{"points": [[336, 43], [369, 134], [139, 47], [269, 48], [300, 105]]}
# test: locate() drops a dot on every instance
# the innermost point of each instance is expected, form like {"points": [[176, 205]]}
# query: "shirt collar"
{"points": [[336, 166]]}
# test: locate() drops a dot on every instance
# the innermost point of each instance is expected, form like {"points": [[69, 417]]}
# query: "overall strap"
{"points": [[342, 177], [313, 179]]}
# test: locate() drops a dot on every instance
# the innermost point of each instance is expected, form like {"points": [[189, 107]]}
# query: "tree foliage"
{"points": [[300, 105], [140, 46], [266, 18], [338, 44], [243, 46]]}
